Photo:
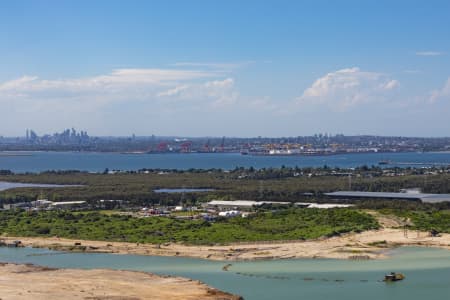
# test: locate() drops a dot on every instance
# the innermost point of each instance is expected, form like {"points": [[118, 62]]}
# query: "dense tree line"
{"points": [[284, 184]]}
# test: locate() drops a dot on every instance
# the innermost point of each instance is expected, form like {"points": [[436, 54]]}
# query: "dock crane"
{"points": [[206, 147], [222, 145], [186, 147], [162, 147]]}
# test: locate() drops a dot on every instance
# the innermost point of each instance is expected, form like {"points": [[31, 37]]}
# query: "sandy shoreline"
{"points": [[49, 284], [366, 245]]}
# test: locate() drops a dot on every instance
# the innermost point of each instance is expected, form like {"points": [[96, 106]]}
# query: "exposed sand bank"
{"points": [[369, 244], [21, 282]]}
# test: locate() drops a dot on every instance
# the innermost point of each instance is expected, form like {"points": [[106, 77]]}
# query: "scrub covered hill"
{"points": [[290, 224]]}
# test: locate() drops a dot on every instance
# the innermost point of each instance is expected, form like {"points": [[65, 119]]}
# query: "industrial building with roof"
{"points": [[425, 198], [249, 205]]}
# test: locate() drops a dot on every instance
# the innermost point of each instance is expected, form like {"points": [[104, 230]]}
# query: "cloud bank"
{"points": [[129, 82], [203, 99], [345, 88], [442, 94]]}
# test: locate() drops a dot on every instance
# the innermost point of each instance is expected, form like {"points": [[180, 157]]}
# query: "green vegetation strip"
{"points": [[265, 184], [289, 224]]}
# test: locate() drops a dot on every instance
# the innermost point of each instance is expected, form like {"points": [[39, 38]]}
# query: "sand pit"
{"points": [[20, 282]]}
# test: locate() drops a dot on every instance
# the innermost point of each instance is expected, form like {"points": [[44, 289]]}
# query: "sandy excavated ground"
{"points": [[369, 244], [21, 282]]}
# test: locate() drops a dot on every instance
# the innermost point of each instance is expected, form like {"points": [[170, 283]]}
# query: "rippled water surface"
{"points": [[12, 185], [427, 273], [98, 162]]}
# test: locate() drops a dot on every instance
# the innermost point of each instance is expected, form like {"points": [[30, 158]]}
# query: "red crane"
{"points": [[186, 147], [162, 147], [206, 147], [222, 145]]}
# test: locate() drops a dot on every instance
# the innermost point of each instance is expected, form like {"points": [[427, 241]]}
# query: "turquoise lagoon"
{"points": [[427, 273]]}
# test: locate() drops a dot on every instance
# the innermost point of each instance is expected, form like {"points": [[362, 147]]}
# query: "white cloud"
{"points": [[227, 83], [429, 53], [125, 83], [173, 92], [348, 87], [141, 93], [221, 92], [16, 83], [156, 75], [142, 96], [393, 84], [441, 94]]}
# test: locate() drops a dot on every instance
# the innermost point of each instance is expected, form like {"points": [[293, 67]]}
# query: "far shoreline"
{"points": [[139, 152], [353, 246]]}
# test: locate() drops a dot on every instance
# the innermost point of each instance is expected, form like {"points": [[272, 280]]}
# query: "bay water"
{"points": [[427, 273], [98, 162]]}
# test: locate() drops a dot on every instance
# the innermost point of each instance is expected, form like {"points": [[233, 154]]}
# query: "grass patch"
{"points": [[378, 244]]}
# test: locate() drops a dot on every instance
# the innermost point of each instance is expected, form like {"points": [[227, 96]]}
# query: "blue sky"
{"points": [[234, 68]]}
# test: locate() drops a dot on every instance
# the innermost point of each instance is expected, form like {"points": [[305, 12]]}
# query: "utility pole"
{"points": [[425, 182], [349, 182], [261, 189]]}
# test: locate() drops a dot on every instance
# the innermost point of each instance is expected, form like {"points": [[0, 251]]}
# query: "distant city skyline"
{"points": [[318, 144], [231, 68], [180, 138]]}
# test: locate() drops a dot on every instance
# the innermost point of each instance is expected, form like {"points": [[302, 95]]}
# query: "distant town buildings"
{"points": [[44, 204], [318, 144]]}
